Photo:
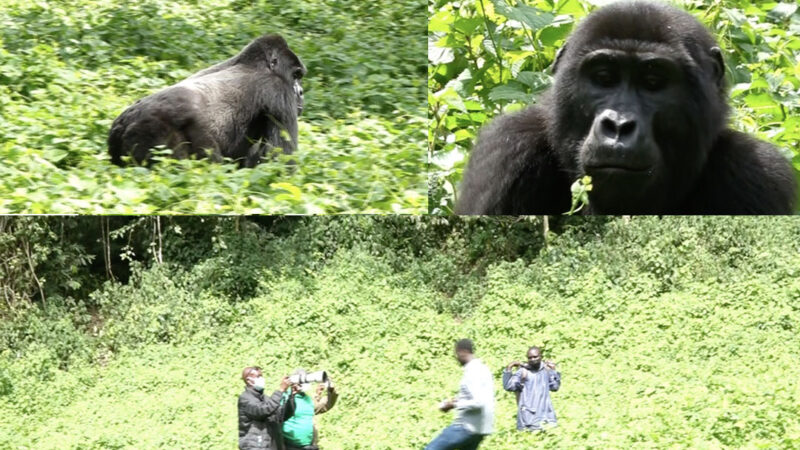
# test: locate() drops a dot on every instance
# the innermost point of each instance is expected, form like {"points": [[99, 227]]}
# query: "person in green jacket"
{"points": [[299, 432]]}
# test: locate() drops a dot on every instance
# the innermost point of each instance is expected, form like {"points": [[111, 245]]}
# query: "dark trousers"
{"points": [[290, 446], [455, 437]]}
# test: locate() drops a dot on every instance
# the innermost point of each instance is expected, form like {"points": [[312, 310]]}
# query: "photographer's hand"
{"points": [[550, 365], [285, 383]]}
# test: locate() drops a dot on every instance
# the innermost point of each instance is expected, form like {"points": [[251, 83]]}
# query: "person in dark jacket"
{"points": [[260, 417]]}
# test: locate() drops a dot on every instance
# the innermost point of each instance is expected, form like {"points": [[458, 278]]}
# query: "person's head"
{"points": [[534, 357], [464, 351], [252, 376]]}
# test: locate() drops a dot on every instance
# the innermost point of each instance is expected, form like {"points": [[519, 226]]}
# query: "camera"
{"points": [[309, 377]]}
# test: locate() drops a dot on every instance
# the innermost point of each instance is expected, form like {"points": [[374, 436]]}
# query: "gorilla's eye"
{"points": [[297, 74], [605, 77], [273, 62], [654, 82]]}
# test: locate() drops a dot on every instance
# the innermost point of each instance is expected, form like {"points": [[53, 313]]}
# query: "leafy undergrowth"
{"points": [[668, 333], [494, 56], [67, 69], [337, 181]]}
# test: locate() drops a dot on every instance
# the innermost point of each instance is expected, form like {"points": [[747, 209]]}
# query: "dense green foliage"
{"points": [[668, 332], [492, 56], [68, 68]]}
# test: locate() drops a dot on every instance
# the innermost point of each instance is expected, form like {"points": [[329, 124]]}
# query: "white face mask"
{"points": [[258, 383]]}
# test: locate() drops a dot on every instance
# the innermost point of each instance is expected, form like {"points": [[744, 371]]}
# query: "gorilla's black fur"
{"points": [[239, 108], [639, 103]]}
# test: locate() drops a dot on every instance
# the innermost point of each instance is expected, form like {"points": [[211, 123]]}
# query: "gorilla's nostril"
{"points": [[627, 128], [608, 127]]}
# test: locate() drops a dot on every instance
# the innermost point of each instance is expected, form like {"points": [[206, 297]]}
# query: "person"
{"points": [[474, 404], [323, 405], [299, 431], [532, 383], [260, 416]]}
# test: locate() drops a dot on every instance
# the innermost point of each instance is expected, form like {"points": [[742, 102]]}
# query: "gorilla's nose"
{"points": [[616, 128]]}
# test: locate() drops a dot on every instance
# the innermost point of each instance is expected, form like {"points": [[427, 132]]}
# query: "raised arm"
{"points": [[263, 409], [512, 381], [326, 404]]}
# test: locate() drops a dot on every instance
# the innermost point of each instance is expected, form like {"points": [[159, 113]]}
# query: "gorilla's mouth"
{"points": [[617, 160], [616, 169]]}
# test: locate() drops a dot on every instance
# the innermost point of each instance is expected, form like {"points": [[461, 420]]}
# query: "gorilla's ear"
{"points": [[559, 54], [719, 65], [273, 59]]}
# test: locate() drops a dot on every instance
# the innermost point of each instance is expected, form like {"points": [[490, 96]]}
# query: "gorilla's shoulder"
{"points": [[746, 175], [531, 120]]}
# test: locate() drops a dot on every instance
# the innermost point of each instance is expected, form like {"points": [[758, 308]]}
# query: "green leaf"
{"points": [[441, 21], [782, 11], [535, 19], [468, 25], [509, 92]]}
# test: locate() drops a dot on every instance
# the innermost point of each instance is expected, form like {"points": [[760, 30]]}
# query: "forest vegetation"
{"points": [[131, 332]]}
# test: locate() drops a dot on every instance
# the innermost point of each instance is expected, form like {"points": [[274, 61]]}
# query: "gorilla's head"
{"points": [[272, 50], [639, 104]]}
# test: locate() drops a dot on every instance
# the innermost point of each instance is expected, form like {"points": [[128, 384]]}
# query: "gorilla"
{"points": [[240, 108], [639, 104]]}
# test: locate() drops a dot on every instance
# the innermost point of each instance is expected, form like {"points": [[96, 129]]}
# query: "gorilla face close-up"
{"points": [[240, 108], [639, 104]]}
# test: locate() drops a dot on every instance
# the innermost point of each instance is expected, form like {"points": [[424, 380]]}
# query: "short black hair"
{"points": [[533, 347], [464, 344]]}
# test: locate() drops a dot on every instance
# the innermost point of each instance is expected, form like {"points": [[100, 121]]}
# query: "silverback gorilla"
{"points": [[639, 104], [239, 108]]}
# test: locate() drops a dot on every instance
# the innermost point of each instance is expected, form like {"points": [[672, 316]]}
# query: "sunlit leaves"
{"points": [[668, 331], [782, 11]]}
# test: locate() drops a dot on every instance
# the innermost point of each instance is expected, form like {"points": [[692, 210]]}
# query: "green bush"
{"points": [[669, 332], [67, 69], [157, 305]]}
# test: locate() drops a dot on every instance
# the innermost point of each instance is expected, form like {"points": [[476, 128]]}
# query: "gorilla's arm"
{"points": [[745, 175], [513, 169], [275, 124]]}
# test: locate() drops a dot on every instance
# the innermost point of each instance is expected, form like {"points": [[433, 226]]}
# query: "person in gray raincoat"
{"points": [[533, 382]]}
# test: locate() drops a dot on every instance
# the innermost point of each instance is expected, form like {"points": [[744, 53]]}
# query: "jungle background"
{"points": [[487, 57], [131, 332], [68, 68]]}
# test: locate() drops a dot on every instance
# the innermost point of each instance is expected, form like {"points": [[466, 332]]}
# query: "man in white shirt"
{"points": [[474, 405]]}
